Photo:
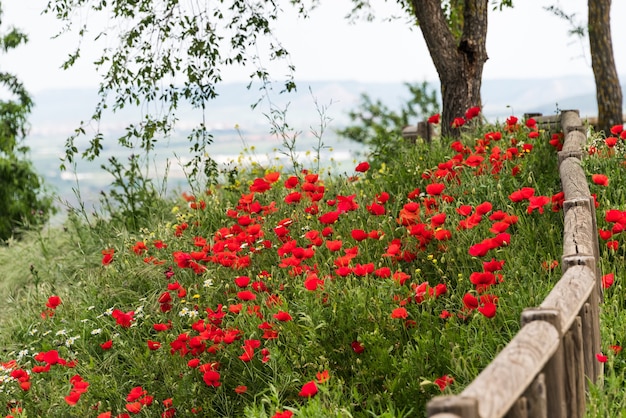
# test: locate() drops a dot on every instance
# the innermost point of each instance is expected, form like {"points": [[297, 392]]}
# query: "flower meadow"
{"points": [[300, 294]]}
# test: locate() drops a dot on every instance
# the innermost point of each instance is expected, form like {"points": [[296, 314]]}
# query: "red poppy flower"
{"points": [[282, 316], [537, 202], [484, 208], [165, 297], [399, 313], [607, 280], [610, 141], [522, 194], [329, 218], [212, 378], [73, 398], [438, 219], [357, 347], [260, 185], [312, 282], [107, 345], [601, 358], [435, 189], [358, 234], [549, 265], [499, 227], [242, 281], [464, 210], [53, 302], [488, 309], [445, 314], [134, 407], [605, 234], [612, 245], [362, 167], [281, 414], [480, 249], [472, 112], [600, 179], [376, 209], [135, 393], [246, 295], [457, 122], [493, 265], [444, 381], [20, 375], [443, 235], [123, 319], [248, 353], [422, 291], [291, 182], [414, 194], [154, 345], [483, 278], [614, 215], [434, 119], [533, 135], [363, 269], [511, 120], [383, 272], [272, 177], [308, 390], [470, 301], [50, 357], [400, 277], [382, 198], [322, 377], [107, 256]]}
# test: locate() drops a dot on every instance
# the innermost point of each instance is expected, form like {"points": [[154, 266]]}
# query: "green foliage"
{"points": [[608, 396], [576, 28], [22, 203], [171, 52], [380, 127], [132, 195], [453, 10]]}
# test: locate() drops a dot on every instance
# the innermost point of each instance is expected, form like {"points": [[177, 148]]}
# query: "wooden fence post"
{"points": [[555, 369], [534, 402], [544, 370], [455, 405]]}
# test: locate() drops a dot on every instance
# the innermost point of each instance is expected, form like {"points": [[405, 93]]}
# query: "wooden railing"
{"points": [[544, 371]]}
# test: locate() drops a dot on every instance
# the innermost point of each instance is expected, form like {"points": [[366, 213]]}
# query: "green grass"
{"points": [[384, 342], [608, 397]]}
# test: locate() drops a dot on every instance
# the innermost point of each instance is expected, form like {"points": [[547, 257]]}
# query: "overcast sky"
{"points": [[524, 42]]}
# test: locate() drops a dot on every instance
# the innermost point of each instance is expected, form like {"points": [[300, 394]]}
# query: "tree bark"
{"points": [[608, 88], [459, 62]]}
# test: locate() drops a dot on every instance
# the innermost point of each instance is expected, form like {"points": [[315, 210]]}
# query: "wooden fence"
{"points": [[544, 371]]}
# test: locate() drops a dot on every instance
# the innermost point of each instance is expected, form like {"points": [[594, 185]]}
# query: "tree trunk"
{"points": [[608, 89], [459, 62]]}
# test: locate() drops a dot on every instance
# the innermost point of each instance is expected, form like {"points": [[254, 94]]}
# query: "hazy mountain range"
{"points": [[59, 111], [236, 126]]}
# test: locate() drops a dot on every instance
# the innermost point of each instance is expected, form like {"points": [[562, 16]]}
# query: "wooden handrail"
{"points": [[544, 371]]}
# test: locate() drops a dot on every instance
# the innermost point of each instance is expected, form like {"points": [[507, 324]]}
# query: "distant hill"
{"points": [[60, 111], [236, 126]]}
